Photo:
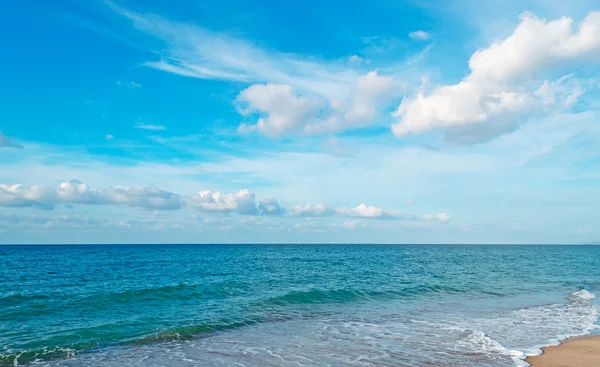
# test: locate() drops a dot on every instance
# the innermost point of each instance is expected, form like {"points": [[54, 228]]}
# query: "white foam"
{"points": [[582, 295]]}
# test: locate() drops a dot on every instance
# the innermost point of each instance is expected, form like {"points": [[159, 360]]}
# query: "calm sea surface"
{"points": [[292, 305]]}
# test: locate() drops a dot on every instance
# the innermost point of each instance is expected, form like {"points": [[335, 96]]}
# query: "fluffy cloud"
{"points": [[318, 210], [244, 202], [283, 111], [367, 211], [26, 196], [501, 89], [75, 192], [370, 92], [6, 142]]}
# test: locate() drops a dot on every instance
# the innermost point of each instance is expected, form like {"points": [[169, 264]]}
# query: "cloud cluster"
{"points": [[244, 202], [75, 192], [283, 111], [151, 198], [510, 81], [501, 88]]}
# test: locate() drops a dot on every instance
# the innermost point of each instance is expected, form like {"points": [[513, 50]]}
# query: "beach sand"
{"points": [[578, 352]]}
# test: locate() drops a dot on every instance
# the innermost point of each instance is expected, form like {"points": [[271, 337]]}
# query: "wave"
{"points": [[317, 296], [191, 331]]}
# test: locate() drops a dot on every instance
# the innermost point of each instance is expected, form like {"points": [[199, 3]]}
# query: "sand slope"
{"points": [[580, 352]]}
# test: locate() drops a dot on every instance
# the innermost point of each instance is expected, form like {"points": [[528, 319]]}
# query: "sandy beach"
{"points": [[577, 352]]}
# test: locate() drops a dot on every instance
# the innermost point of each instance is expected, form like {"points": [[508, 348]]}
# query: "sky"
{"points": [[235, 121]]}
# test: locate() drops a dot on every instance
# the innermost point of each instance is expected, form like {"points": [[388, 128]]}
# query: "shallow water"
{"points": [[292, 305]]}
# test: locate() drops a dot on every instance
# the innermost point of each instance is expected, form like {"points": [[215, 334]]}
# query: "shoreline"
{"points": [[579, 351]]}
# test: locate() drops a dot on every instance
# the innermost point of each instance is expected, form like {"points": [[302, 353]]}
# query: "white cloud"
{"points": [[355, 59], [6, 142], [419, 35], [109, 136], [25, 196], [442, 217], [244, 202], [151, 127], [502, 88], [318, 210], [285, 112], [371, 91], [367, 211], [75, 192]]}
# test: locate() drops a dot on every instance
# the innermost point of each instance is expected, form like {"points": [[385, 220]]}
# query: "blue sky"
{"points": [[269, 121]]}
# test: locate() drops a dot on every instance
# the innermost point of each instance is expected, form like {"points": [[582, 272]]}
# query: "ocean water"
{"points": [[292, 305]]}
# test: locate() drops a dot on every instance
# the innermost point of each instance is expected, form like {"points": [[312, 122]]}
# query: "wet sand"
{"points": [[577, 352]]}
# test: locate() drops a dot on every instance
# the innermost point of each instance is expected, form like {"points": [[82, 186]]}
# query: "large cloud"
{"points": [[502, 87], [26, 196], [284, 111], [75, 192]]}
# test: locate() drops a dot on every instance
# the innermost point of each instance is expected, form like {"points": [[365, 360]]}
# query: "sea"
{"points": [[292, 305]]}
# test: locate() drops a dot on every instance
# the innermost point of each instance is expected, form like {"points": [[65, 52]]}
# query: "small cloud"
{"points": [[129, 85], [350, 224], [367, 211], [419, 35], [246, 129], [109, 136], [442, 217], [141, 125], [410, 202], [6, 142], [357, 60]]}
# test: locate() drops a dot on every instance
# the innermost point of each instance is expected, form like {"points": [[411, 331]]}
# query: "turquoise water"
{"points": [[292, 305]]}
